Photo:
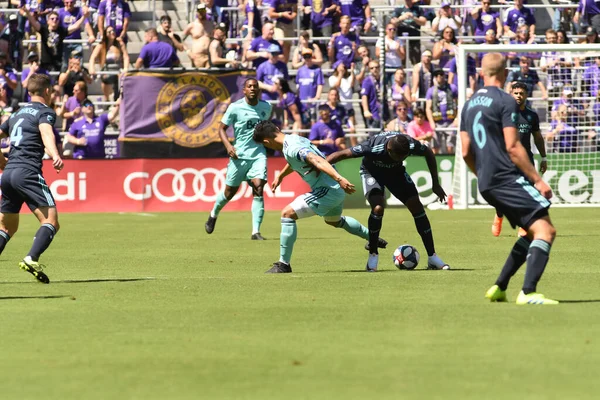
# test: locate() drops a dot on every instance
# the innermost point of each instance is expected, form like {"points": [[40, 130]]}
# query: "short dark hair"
{"points": [[519, 85], [400, 145], [438, 72], [418, 112], [264, 130], [250, 79], [324, 107], [38, 83], [165, 18]]}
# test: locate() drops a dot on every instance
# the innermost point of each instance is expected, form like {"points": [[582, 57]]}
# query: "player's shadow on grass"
{"points": [[56, 296], [578, 301], [99, 280]]}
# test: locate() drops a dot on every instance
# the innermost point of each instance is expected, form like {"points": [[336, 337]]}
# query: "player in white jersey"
{"points": [[326, 199], [248, 159]]}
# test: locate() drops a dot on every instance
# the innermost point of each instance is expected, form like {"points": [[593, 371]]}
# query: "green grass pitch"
{"points": [[209, 324]]}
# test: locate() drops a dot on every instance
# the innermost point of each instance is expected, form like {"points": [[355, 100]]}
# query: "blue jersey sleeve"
{"points": [[416, 148], [229, 116], [47, 116], [362, 149], [463, 118]]}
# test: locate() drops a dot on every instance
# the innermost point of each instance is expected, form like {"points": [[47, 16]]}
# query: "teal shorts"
{"points": [[323, 201], [239, 171]]}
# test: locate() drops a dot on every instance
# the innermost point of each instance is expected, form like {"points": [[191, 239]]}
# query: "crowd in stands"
{"points": [[323, 75]]}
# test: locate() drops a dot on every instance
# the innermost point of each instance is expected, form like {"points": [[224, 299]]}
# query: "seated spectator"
{"points": [[156, 54], [309, 81], [67, 16], [400, 89], [400, 123], [8, 78], [53, 36], [562, 37], [563, 135], [370, 98], [290, 104], [74, 73], [342, 45], [284, 12], [517, 16], [558, 66], [305, 43], [441, 110], [8, 104], [409, 19], [341, 115], [218, 49], [445, 18], [11, 42], [471, 72], [445, 49], [257, 53], [270, 72], [326, 134], [575, 111], [166, 34], [591, 37], [321, 17], [394, 52], [420, 129], [527, 76], [361, 66], [87, 133], [111, 55], [118, 13], [201, 30], [73, 104], [359, 12], [34, 68], [422, 76], [484, 19]]}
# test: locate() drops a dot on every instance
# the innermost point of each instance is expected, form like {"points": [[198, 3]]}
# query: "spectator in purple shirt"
{"points": [[34, 68], [588, 13], [68, 16], [309, 80], [471, 72], [516, 16], [291, 105], [484, 18], [156, 54], [284, 12], [87, 133], [257, 53], [591, 79], [115, 13], [370, 97], [359, 12], [270, 72], [342, 46], [72, 107], [441, 108], [321, 16], [326, 134]]}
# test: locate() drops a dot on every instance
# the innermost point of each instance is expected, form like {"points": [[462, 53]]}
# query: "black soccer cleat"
{"points": [[279, 268], [257, 236], [35, 269], [381, 244], [209, 226]]}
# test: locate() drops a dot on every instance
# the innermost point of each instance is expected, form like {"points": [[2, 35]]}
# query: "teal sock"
{"points": [[219, 204], [258, 211], [287, 239], [354, 227]]}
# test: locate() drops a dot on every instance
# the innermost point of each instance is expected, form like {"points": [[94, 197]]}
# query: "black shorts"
{"points": [[398, 182], [21, 185], [519, 201]]}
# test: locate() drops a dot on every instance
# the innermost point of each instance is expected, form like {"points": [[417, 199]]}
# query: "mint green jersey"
{"points": [[243, 118], [295, 150]]}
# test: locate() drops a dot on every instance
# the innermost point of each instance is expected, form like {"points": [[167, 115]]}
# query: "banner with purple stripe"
{"points": [[178, 106]]}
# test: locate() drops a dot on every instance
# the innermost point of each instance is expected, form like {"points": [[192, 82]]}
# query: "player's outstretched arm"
{"points": [[322, 165], [279, 178], [432, 165], [339, 156], [225, 140], [50, 144], [467, 153], [538, 139]]}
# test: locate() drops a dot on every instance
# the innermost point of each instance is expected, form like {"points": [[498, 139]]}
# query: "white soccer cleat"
{"points": [[434, 262], [372, 263]]}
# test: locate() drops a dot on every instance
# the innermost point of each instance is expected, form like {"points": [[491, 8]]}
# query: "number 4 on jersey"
{"points": [[16, 134]]}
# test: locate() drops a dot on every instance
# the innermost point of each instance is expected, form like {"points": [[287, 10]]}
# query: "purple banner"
{"points": [[181, 107]]}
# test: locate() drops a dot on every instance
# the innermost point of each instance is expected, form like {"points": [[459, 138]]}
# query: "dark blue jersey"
{"points": [[484, 117], [375, 156], [23, 127], [528, 123]]}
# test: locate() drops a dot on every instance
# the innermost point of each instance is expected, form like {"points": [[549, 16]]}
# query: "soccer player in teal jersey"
{"points": [[248, 159], [326, 199]]}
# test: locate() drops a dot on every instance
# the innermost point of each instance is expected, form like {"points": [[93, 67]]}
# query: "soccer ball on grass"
{"points": [[406, 257]]}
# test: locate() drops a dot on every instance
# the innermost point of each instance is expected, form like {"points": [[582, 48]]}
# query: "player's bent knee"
{"points": [[378, 210], [288, 212], [229, 192], [336, 221]]}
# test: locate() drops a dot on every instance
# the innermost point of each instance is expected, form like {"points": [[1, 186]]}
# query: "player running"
{"points": [[492, 150], [326, 199], [248, 159], [528, 125], [31, 130], [382, 167]]}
